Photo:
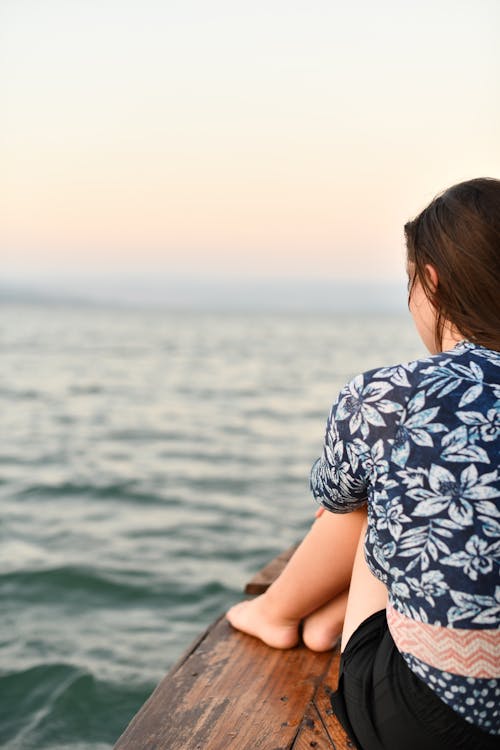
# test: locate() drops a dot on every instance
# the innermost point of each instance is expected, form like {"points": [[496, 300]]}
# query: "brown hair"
{"points": [[459, 234]]}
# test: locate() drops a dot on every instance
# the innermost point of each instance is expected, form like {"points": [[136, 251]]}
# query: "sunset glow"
{"points": [[273, 137]]}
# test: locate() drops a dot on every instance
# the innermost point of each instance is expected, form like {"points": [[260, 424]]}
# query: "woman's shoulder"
{"points": [[465, 363], [465, 375]]}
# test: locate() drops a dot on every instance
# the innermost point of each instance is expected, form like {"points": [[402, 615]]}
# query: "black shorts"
{"points": [[383, 705]]}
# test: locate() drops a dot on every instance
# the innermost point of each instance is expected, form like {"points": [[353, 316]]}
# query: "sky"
{"points": [[272, 139]]}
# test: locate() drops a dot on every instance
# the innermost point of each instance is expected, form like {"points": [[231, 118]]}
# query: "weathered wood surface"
{"points": [[229, 690]]}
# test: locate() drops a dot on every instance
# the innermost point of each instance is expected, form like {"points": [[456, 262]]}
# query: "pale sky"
{"points": [[273, 137]]}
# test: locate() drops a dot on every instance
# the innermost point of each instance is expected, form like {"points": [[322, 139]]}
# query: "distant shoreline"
{"points": [[231, 295]]}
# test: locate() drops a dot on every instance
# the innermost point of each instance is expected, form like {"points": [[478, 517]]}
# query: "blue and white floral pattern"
{"points": [[421, 443]]}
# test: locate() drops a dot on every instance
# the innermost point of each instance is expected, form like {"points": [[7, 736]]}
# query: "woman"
{"points": [[404, 563]]}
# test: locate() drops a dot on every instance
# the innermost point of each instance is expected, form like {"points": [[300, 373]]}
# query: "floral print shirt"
{"points": [[420, 443]]}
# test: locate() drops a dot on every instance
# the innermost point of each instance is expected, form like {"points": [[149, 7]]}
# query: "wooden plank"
{"points": [[320, 728], [312, 733], [231, 692], [263, 579], [335, 730]]}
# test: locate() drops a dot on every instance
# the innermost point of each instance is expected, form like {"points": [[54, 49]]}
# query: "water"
{"points": [[150, 463]]}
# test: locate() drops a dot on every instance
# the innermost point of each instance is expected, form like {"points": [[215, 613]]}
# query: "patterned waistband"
{"points": [[472, 653]]}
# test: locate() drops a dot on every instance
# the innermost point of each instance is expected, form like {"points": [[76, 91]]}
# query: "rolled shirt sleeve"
{"points": [[358, 421]]}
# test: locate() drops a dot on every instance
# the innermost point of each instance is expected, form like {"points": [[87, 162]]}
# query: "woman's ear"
{"points": [[432, 277]]}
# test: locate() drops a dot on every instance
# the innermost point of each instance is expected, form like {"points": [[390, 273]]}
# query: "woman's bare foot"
{"points": [[255, 618], [322, 629]]}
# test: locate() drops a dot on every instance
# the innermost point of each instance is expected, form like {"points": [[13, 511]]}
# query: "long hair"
{"points": [[459, 234]]}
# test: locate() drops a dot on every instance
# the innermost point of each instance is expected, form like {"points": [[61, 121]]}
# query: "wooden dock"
{"points": [[229, 690]]}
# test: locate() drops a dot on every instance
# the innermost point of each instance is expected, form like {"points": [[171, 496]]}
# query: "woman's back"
{"points": [[421, 442], [411, 577]]}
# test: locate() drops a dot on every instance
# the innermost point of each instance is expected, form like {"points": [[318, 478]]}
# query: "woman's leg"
{"points": [[318, 574], [321, 629], [367, 594]]}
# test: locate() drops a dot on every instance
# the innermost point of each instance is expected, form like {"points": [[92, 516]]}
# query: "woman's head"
{"points": [[453, 249]]}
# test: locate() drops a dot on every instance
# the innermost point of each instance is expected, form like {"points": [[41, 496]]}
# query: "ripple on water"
{"points": [[59, 700], [122, 491]]}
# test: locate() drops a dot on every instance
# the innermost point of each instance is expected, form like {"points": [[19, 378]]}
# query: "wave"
{"points": [[13, 394], [123, 491], [50, 705], [140, 434], [76, 583], [128, 492]]}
